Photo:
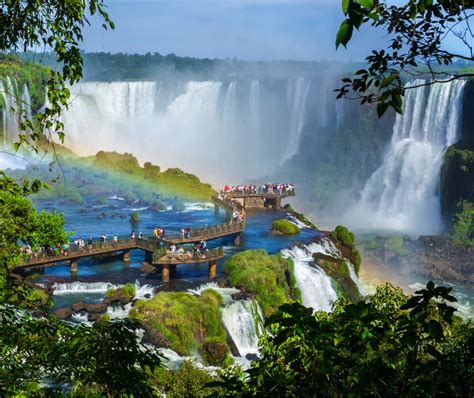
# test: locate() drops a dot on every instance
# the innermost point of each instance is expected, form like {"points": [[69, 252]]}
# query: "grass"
{"points": [[463, 227], [285, 227], [270, 278]]}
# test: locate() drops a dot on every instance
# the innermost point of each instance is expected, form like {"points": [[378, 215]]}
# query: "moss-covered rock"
{"points": [[299, 216], [463, 225], [269, 278], [345, 242], [339, 272], [185, 323], [122, 295], [285, 227]]}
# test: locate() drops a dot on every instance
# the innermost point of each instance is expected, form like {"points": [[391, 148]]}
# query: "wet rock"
{"points": [[16, 279], [242, 295], [155, 338], [214, 353], [38, 314], [79, 307], [62, 313], [147, 268], [96, 308], [251, 357], [118, 296], [93, 316]]}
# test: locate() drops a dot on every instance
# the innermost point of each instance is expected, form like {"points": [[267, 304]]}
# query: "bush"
{"points": [[285, 227], [270, 278], [179, 206], [343, 235], [134, 217]]}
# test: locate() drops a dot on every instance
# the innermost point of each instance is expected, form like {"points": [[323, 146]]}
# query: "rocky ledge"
{"points": [[434, 257]]}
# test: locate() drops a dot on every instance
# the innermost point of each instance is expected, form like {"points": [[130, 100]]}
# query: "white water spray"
{"points": [[316, 286]]}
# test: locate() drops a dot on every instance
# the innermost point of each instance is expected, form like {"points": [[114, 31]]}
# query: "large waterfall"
{"points": [[403, 194], [222, 130]]}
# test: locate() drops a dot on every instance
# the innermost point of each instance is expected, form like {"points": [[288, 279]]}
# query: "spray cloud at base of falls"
{"points": [[221, 129], [403, 194]]}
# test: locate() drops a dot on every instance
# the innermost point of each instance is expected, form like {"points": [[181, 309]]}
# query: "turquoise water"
{"points": [[91, 219]]}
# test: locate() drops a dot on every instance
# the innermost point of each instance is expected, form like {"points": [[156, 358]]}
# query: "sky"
{"points": [[247, 29]]}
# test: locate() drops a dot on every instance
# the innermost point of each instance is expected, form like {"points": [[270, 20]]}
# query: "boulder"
{"points": [[251, 357], [214, 353], [96, 308], [62, 313], [242, 295], [147, 268], [93, 316], [118, 296], [78, 307]]}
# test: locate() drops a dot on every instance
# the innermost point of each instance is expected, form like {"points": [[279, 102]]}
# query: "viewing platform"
{"points": [[252, 201]]}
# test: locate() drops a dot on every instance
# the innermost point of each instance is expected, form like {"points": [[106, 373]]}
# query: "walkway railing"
{"points": [[259, 194], [207, 233], [73, 252]]}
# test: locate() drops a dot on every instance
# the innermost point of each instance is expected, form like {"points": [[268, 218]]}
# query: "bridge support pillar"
{"points": [[165, 273], [126, 255], [212, 269], [237, 240], [278, 203], [73, 265]]}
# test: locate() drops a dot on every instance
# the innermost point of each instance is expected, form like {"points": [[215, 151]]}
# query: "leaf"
{"points": [[344, 33], [381, 108], [345, 6], [388, 80], [369, 4]]}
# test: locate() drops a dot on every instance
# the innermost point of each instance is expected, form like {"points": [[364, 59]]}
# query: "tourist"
{"points": [[188, 233], [173, 250], [182, 234], [115, 240], [132, 235], [140, 235]]}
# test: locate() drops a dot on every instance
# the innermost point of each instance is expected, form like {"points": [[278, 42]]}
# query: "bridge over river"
{"points": [[157, 251]]}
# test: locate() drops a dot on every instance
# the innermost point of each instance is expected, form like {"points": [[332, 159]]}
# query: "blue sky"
{"points": [[246, 29]]}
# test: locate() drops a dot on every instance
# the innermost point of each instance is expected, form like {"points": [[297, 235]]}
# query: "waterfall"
{"points": [[243, 321], [83, 287], [316, 286], [227, 131], [297, 94], [362, 290], [403, 194]]}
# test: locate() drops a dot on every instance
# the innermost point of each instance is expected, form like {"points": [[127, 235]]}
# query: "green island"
{"points": [[284, 227]]}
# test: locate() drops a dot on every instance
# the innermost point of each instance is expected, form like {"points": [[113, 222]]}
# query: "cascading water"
{"points": [[315, 285], [224, 130], [403, 193], [242, 318], [297, 94]]}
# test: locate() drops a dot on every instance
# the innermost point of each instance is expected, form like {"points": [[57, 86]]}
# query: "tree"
{"points": [[418, 31], [386, 345], [52, 25]]}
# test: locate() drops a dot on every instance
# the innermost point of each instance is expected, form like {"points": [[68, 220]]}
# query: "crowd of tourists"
{"points": [[188, 251], [251, 189]]}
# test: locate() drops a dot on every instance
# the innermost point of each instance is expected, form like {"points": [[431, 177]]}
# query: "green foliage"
{"points": [[187, 381], [285, 227], [395, 244], [343, 235], [134, 217], [21, 223], [418, 30], [32, 74], [28, 24], [463, 226], [184, 320], [103, 359], [386, 345], [345, 238], [269, 278]]}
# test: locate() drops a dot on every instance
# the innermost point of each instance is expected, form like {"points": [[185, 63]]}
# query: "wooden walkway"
{"points": [[209, 233]]}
